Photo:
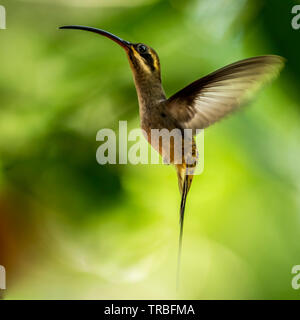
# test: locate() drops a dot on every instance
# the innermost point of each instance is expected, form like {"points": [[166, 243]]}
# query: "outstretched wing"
{"points": [[212, 97]]}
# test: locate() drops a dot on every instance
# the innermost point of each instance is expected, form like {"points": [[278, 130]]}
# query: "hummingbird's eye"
{"points": [[141, 48]]}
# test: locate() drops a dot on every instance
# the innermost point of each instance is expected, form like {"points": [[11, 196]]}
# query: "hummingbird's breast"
{"points": [[165, 136], [153, 116], [159, 128]]}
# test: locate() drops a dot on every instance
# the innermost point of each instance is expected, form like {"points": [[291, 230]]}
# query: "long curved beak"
{"points": [[123, 43]]}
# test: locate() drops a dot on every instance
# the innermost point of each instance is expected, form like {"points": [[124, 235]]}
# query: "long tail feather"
{"points": [[185, 190]]}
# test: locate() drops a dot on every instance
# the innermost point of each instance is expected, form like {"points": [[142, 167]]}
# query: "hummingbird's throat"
{"points": [[149, 90]]}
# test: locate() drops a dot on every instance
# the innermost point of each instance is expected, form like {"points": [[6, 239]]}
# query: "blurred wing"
{"points": [[212, 97]]}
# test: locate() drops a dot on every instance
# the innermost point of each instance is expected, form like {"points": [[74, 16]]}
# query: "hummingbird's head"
{"points": [[143, 60]]}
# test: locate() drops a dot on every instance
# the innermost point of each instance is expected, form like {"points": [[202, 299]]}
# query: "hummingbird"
{"points": [[195, 107]]}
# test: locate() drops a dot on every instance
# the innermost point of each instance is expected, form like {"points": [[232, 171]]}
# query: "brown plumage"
{"points": [[197, 106]]}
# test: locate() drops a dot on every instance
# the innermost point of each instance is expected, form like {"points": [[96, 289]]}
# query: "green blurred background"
{"points": [[70, 228]]}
